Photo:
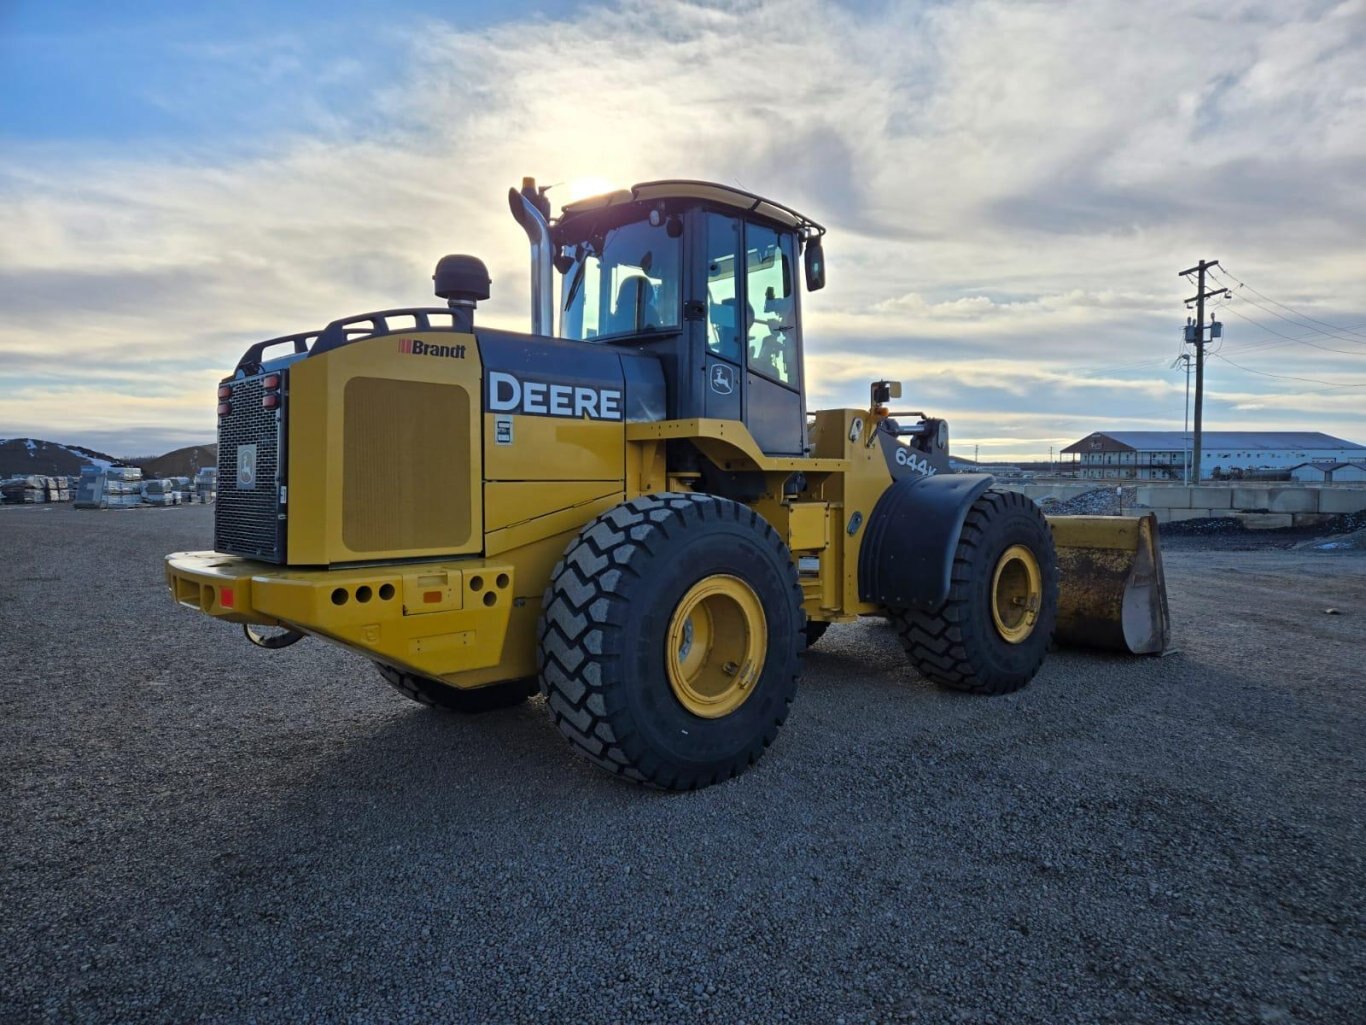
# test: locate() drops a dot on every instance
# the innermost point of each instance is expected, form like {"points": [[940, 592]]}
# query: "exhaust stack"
{"points": [[532, 210]]}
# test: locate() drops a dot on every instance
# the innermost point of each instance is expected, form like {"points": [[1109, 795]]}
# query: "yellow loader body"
{"points": [[639, 513]]}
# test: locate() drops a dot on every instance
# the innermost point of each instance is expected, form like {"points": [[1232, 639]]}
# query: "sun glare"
{"points": [[582, 188]]}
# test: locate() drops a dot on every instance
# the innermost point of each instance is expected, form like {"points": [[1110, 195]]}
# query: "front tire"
{"points": [[453, 699], [991, 635], [671, 638]]}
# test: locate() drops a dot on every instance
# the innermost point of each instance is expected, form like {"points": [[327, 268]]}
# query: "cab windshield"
{"points": [[623, 282]]}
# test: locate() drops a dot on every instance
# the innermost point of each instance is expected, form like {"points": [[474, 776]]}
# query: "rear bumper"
{"points": [[436, 619]]}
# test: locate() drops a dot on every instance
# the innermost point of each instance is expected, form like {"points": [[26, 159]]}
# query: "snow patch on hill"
{"points": [[90, 457]]}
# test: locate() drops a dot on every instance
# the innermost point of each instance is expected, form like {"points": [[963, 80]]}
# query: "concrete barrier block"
{"points": [[1293, 500], [1195, 514], [1265, 521], [1310, 519], [1164, 498], [1211, 498], [1340, 500], [1248, 498]]}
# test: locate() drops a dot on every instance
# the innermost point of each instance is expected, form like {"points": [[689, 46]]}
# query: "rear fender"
{"points": [[907, 551]]}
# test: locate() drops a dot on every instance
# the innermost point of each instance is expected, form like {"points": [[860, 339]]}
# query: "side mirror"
{"points": [[815, 265], [885, 391]]}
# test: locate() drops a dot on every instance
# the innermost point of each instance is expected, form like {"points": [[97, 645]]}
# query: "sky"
{"points": [[1010, 189]]}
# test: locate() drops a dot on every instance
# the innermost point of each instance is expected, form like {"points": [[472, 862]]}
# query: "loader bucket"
{"points": [[1112, 593]]}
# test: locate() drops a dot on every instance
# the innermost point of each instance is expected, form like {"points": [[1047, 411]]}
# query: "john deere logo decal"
{"points": [[415, 347], [246, 467], [722, 379]]}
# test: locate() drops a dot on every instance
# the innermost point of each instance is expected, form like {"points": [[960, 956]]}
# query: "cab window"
{"points": [[625, 282], [771, 338], [725, 323]]}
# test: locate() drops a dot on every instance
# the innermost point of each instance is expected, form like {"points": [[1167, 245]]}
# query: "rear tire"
{"points": [[986, 638], [671, 639], [454, 699]]}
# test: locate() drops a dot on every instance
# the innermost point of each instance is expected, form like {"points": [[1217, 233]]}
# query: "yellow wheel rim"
{"points": [[1016, 593], [715, 650]]}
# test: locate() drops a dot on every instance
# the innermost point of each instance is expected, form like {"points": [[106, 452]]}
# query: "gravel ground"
{"points": [[195, 830]]}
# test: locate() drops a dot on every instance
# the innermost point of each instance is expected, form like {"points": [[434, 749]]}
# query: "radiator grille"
{"points": [[406, 479], [248, 520]]}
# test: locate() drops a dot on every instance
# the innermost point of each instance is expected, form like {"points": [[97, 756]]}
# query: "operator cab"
{"points": [[704, 277]]}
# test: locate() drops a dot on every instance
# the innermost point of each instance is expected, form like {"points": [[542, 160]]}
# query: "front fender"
{"points": [[907, 551]]}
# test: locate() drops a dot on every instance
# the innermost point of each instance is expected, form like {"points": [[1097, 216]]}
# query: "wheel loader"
{"points": [[633, 512]]}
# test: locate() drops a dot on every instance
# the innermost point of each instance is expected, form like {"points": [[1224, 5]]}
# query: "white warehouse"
{"points": [[1330, 473], [1163, 455]]}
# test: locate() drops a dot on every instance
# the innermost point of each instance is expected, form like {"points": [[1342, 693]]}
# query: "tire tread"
{"points": [[583, 617], [936, 642]]}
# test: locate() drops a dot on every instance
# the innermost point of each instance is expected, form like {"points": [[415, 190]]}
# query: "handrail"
{"points": [[346, 330]]}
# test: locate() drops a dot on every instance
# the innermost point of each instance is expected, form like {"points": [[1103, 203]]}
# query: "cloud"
{"points": [[1009, 189]]}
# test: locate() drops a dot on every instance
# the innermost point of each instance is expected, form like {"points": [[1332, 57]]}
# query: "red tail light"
{"points": [[270, 401], [270, 382], [224, 408], [225, 391]]}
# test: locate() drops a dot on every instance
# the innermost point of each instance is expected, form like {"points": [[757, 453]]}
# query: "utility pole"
{"points": [[1185, 358], [1197, 336]]}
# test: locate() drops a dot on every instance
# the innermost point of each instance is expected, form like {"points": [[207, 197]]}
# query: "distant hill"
{"points": [[24, 456], [183, 462]]}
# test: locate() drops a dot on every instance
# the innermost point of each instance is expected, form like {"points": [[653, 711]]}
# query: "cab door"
{"points": [[725, 316], [775, 409]]}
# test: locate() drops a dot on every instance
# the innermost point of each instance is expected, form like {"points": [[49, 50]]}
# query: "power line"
{"points": [[1305, 316], [1284, 377], [1291, 338], [1298, 324], [1087, 371], [1341, 331]]}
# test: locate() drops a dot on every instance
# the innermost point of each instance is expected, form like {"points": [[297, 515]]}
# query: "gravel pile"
{"points": [[1230, 534], [197, 830], [1108, 501]]}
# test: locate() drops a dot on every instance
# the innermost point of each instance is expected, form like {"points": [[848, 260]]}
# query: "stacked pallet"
{"points": [[114, 487], [33, 489], [122, 490], [206, 483], [160, 492]]}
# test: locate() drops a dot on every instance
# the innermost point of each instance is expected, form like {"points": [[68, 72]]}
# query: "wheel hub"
{"points": [[716, 645], [1016, 593]]}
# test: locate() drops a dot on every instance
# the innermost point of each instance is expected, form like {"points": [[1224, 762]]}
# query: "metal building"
{"points": [[1164, 455], [1313, 473]]}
